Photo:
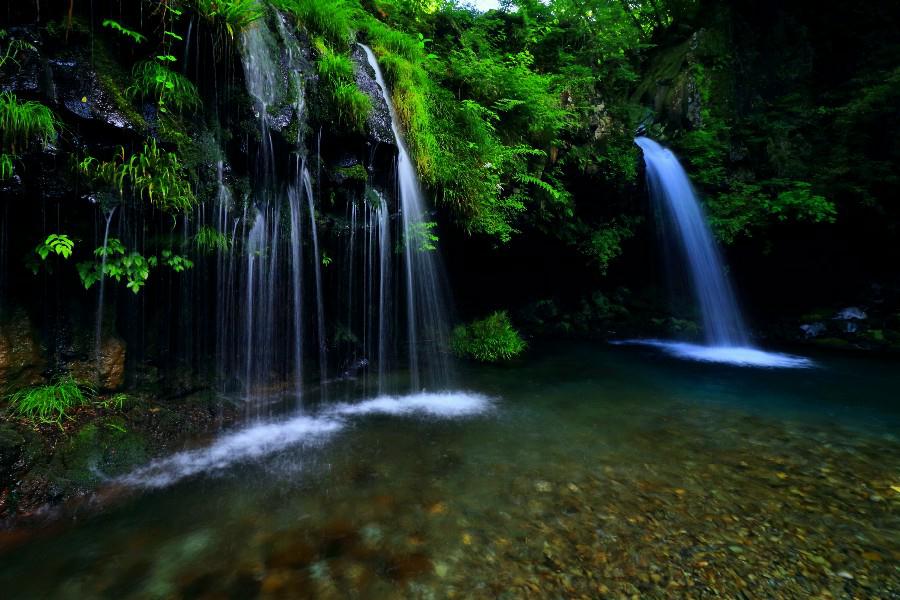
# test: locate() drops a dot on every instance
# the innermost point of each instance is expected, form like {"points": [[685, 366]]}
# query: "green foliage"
{"points": [[115, 262], [12, 49], [421, 236], [6, 165], [170, 90], [492, 339], [349, 106], [332, 19], [24, 122], [50, 404], [605, 244], [209, 241], [136, 37], [234, 15], [59, 244], [154, 174]]}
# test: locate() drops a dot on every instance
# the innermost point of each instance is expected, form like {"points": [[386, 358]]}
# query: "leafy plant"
{"points": [[59, 244], [12, 49], [170, 90], [492, 339], [114, 261], [154, 174], [348, 105], [50, 404], [207, 240], [234, 15], [422, 236], [114, 402], [135, 36]]}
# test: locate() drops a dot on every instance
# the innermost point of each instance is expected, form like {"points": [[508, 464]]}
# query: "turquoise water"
{"points": [[583, 471]]}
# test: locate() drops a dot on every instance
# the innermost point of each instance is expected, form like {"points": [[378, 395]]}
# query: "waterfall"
{"points": [[260, 281], [98, 334], [671, 190], [426, 305], [726, 335]]}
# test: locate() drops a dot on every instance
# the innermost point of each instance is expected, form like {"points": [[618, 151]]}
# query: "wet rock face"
{"points": [[21, 361], [108, 372], [380, 118]]}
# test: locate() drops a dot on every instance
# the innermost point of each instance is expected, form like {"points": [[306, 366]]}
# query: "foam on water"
{"points": [[732, 355], [442, 404], [264, 439]]}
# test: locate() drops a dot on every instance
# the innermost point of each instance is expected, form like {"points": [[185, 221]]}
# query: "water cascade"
{"points": [[726, 334], [426, 304], [260, 272]]}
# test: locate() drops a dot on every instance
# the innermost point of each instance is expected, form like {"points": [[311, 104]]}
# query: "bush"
{"points": [[493, 339], [50, 404]]}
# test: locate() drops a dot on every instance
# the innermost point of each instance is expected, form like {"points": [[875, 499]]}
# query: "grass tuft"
{"points": [[24, 122], [50, 404]]}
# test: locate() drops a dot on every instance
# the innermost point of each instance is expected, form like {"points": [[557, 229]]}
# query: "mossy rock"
{"points": [[95, 452]]}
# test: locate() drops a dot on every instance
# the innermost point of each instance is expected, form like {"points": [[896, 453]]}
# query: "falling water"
{"points": [[672, 190], [726, 335], [98, 334], [426, 307], [317, 259]]}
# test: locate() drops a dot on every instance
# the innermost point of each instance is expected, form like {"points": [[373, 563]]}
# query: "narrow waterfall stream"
{"points": [[427, 314]]}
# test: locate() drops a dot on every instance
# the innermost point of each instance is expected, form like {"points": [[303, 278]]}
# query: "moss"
{"points": [[97, 451], [114, 81], [356, 173]]}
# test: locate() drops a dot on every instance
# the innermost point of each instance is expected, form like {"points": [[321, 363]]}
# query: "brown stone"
{"points": [[21, 362]]}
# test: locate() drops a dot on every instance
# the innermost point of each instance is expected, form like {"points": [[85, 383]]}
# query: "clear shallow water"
{"points": [[586, 470]]}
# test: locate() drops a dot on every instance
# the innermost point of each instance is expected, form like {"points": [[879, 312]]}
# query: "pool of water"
{"points": [[583, 471]]}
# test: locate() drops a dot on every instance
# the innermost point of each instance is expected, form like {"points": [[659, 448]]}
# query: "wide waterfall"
{"points": [[426, 304], [726, 334]]}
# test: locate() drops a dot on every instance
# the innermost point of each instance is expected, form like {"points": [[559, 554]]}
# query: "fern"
{"points": [[234, 15], [116, 26], [154, 174]]}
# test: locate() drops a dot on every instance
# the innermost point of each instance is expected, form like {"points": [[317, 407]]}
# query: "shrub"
{"points": [[50, 404], [493, 339]]}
